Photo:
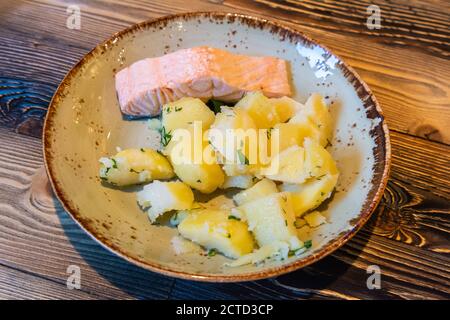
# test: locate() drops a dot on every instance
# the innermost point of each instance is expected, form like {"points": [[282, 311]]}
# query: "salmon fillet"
{"points": [[201, 72]]}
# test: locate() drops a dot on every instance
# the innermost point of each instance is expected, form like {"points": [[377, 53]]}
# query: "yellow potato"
{"points": [[135, 166], [241, 182], [182, 113], [318, 161], [315, 119], [311, 194], [260, 189], [215, 230], [234, 136], [285, 107], [287, 166], [260, 108], [288, 135], [271, 219], [192, 162], [165, 196], [315, 219]]}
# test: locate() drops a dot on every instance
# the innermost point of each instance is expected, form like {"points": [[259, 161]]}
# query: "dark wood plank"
{"points": [[23, 104], [18, 285], [409, 74]]}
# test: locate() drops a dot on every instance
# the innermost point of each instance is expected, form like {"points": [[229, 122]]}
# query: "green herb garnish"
{"points": [[242, 158], [292, 252], [215, 105], [114, 163], [307, 244], [165, 136], [269, 133], [212, 252], [231, 217], [142, 150]]}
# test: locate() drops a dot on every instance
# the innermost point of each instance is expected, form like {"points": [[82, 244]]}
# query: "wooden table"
{"points": [[406, 63]]}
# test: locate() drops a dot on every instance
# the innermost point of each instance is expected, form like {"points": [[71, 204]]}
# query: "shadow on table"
{"points": [[330, 277]]}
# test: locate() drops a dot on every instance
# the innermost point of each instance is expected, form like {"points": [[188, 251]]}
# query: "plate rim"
{"points": [[254, 21]]}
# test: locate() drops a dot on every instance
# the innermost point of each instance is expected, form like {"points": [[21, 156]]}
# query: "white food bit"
{"points": [[179, 216], [315, 219], [120, 160], [144, 176], [182, 246], [154, 124], [107, 162], [278, 250], [161, 198], [118, 149]]}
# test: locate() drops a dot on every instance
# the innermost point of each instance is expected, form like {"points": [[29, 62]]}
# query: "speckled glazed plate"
{"points": [[84, 123]]}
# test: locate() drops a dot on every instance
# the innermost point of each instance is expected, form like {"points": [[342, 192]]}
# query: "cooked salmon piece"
{"points": [[201, 72]]}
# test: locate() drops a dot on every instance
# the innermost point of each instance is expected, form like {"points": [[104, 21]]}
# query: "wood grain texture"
{"points": [[406, 65], [408, 237]]}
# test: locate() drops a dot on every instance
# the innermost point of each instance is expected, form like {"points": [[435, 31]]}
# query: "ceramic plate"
{"points": [[84, 123]]}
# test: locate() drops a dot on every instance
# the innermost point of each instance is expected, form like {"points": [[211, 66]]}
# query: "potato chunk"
{"points": [[230, 135], [213, 229], [315, 119], [287, 166], [165, 196], [193, 163], [260, 189], [259, 107], [288, 135], [135, 166], [311, 194], [182, 113], [271, 219], [285, 107], [318, 161], [241, 182]]}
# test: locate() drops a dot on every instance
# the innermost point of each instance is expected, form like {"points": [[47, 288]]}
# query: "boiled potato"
{"points": [[315, 119], [260, 189], [288, 135], [259, 107], [311, 194], [318, 161], [271, 219], [194, 162], [182, 113], [215, 230], [241, 182], [233, 135], [236, 170], [135, 166], [165, 196], [287, 166], [285, 107], [315, 219]]}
